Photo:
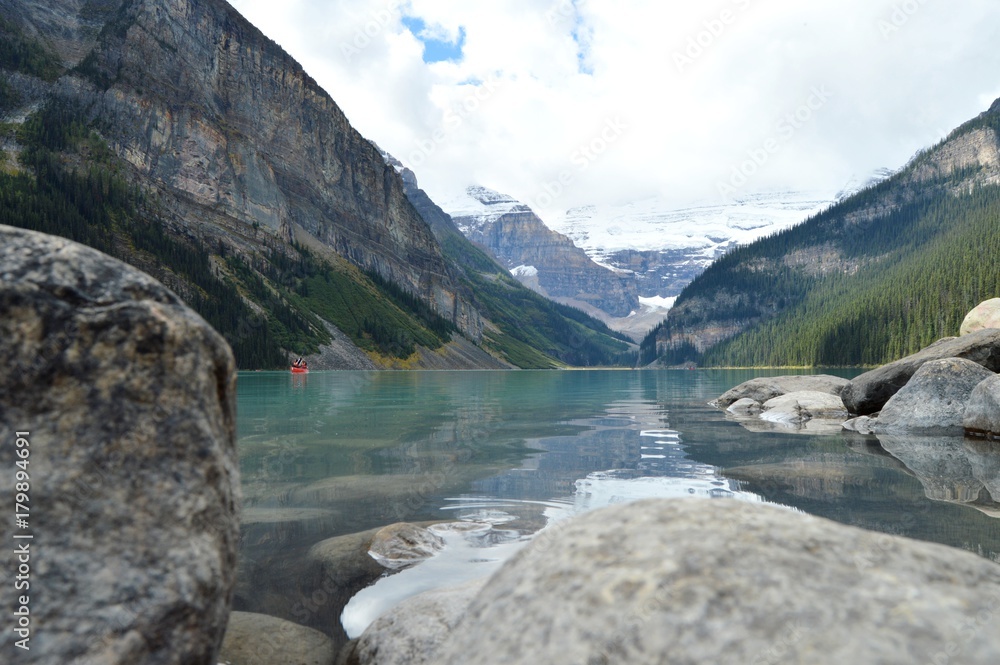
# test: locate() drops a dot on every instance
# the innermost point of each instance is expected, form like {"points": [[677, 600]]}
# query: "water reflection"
{"points": [[344, 452], [951, 469]]}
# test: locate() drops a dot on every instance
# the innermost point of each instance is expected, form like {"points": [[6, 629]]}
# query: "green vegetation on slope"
{"points": [[893, 308], [73, 186], [18, 53], [533, 331], [909, 261]]}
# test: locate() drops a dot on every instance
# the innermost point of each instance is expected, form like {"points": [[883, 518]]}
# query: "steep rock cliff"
{"points": [[515, 235], [236, 148], [199, 100]]}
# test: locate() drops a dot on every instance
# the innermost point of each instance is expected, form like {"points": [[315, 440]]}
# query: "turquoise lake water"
{"points": [[334, 453]]}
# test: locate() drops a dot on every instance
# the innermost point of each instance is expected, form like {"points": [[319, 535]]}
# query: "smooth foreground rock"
{"points": [[982, 411], [934, 399], [762, 389], [411, 632], [984, 316], [722, 581], [129, 399], [258, 639], [869, 392]]}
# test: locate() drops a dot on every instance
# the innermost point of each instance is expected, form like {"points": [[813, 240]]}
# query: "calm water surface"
{"points": [[336, 453]]}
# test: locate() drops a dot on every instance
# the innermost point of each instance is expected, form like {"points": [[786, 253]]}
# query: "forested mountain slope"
{"points": [[872, 278]]}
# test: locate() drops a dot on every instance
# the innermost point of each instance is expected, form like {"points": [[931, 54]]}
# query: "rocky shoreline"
{"points": [[128, 400], [949, 388]]}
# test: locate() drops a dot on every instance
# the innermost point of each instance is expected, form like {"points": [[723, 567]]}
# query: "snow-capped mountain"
{"points": [[665, 246], [540, 258]]}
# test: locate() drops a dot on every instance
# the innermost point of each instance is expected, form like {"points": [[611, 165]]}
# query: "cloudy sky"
{"points": [[568, 102]]}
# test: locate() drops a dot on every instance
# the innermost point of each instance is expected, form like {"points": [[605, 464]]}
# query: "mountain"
{"points": [[544, 260], [176, 136], [667, 246], [523, 322], [879, 275]]}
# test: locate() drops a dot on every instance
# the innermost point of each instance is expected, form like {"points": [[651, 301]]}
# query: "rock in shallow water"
{"points": [[866, 394], [402, 545], [982, 411], [691, 581], [129, 398], [934, 399], [764, 388], [258, 639]]}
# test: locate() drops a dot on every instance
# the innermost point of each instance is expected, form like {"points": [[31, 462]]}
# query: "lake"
{"points": [[335, 453]]}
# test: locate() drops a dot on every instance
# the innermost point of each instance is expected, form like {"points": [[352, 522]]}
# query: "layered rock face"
{"points": [[126, 402], [198, 100], [515, 235]]}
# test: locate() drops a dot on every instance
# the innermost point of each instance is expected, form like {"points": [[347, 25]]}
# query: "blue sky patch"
{"points": [[436, 49]]}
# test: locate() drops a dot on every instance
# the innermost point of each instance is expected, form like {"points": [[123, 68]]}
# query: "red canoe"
{"points": [[300, 370]]}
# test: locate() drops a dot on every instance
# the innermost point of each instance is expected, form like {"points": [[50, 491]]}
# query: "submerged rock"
{"points": [[934, 399], [335, 570], [258, 639], [984, 316], [765, 388], [869, 392], [128, 401], [692, 581], [402, 545]]}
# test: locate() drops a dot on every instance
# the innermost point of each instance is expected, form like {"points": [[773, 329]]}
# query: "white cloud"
{"points": [[696, 89]]}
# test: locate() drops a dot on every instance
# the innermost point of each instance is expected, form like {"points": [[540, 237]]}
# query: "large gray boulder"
{"points": [[128, 399], [982, 411], [764, 388], [985, 315], [934, 399], [703, 581], [258, 639], [869, 392]]}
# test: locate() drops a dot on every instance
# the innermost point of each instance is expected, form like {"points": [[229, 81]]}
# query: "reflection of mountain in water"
{"points": [[952, 469]]}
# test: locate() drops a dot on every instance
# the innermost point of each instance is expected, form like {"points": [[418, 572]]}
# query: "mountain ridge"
{"points": [[551, 263], [881, 274]]}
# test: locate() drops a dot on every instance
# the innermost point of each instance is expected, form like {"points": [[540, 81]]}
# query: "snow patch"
{"points": [[658, 302], [524, 271]]}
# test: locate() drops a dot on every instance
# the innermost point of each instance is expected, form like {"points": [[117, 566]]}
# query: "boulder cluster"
{"points": [[949, 388]]}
